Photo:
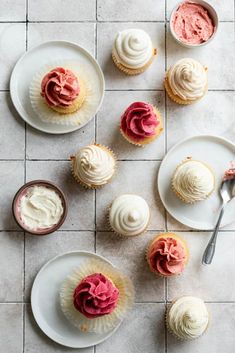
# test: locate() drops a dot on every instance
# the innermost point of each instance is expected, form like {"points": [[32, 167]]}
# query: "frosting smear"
{"points": [[192, 23]]}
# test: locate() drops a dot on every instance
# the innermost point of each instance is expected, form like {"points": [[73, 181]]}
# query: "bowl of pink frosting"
{"points": [[193, 23]]}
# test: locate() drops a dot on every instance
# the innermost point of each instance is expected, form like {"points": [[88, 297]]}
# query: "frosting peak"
{"points": [[167, 256], [133, 48], [188, 317], [95, 296], [188, 79], [129, 215], [94, 165], [139, 121], [193, 181], [60, 87]]}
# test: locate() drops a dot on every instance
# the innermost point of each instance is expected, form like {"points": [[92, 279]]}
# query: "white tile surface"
{"points": [[142, 331], [11, 179], [79, 198], [132, 10], [55, 244], [37, 342], [26, 154], [80, 33], [60, 10], [12, 39], [11, 124], [209, 282], [114, 78], [11, 328], [12, 266], [123, 183], [110, 114], [225, 9], [129, 255]]}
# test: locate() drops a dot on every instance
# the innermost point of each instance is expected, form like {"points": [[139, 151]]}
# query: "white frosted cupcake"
{"points": [[186, 81], [129, 215], [187, 318], [133, 51], [193, 181], [93, 166]]}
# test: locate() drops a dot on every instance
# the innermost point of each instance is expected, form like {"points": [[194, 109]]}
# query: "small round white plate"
{"points": [[31, 62], [46, 304], [218, 153]]}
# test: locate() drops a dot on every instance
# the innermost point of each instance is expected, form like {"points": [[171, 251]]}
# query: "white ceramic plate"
{"points": [[31, 62], [218, 153], [46, 305]]}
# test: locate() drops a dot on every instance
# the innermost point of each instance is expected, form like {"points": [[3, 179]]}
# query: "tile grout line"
{"points": [[93, 21]]}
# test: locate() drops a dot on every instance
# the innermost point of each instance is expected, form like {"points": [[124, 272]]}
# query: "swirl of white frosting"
{"points": [[129, 215], [193, 181], [188, 317], [94, 165], [188, 79], [133, 48]]}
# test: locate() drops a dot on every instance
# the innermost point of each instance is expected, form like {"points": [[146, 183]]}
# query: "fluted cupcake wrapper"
{"points": [[168, 307], [103, 323], [80, 112], [166, 235], [94, 186], [178, 194], [122, 236], [147, 140], [132, 72], [176, 98]]}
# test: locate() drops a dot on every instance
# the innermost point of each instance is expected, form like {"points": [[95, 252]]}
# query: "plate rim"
{"points": [[192, 225], [14, 96], [33, 300]]}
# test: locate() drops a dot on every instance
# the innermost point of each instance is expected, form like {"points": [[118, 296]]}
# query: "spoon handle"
{"points": [[210, 249]]}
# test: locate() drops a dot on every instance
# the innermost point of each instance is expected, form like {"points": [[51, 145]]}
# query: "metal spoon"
{"points": [[227, 192]]}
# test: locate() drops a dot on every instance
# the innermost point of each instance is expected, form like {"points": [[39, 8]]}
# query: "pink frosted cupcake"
{"points": [[141, 123], [167, 255]]}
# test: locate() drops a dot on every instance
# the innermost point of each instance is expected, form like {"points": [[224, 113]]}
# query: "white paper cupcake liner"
{"points": [[48, 115], [103, 323]]}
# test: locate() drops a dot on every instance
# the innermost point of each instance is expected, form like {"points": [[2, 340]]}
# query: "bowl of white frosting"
{"points": [[39, 207]]}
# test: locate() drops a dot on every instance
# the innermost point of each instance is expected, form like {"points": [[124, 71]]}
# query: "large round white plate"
{"points": [[31, 62], [46, 305], [218, 153]]}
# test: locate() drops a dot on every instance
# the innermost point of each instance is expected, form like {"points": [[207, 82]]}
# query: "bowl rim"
{"points": [[213, 14], [51, 185]]}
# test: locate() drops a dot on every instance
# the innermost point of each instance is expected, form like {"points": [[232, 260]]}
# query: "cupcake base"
{"points": [[106, 322], [77, 103], [147, 140], [93, 186], [132, 72], [176, 98], [167, 235], [179, 195]]}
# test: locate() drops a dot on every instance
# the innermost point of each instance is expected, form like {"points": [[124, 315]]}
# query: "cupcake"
{"points": [[187, 318], [193, 181], [141, 123], [129, 215], [63, 91], [167, 255], [133, 51], [96, 297], [186, 81], [93, 166]]}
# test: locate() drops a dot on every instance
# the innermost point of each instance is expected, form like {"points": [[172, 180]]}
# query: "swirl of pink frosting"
{"points": [[60, 87], [139, 121], [95, 296], [167, 256]]}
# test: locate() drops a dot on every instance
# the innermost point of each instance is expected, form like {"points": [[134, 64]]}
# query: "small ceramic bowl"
{"points": [[22, 191], [213, 15]]}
